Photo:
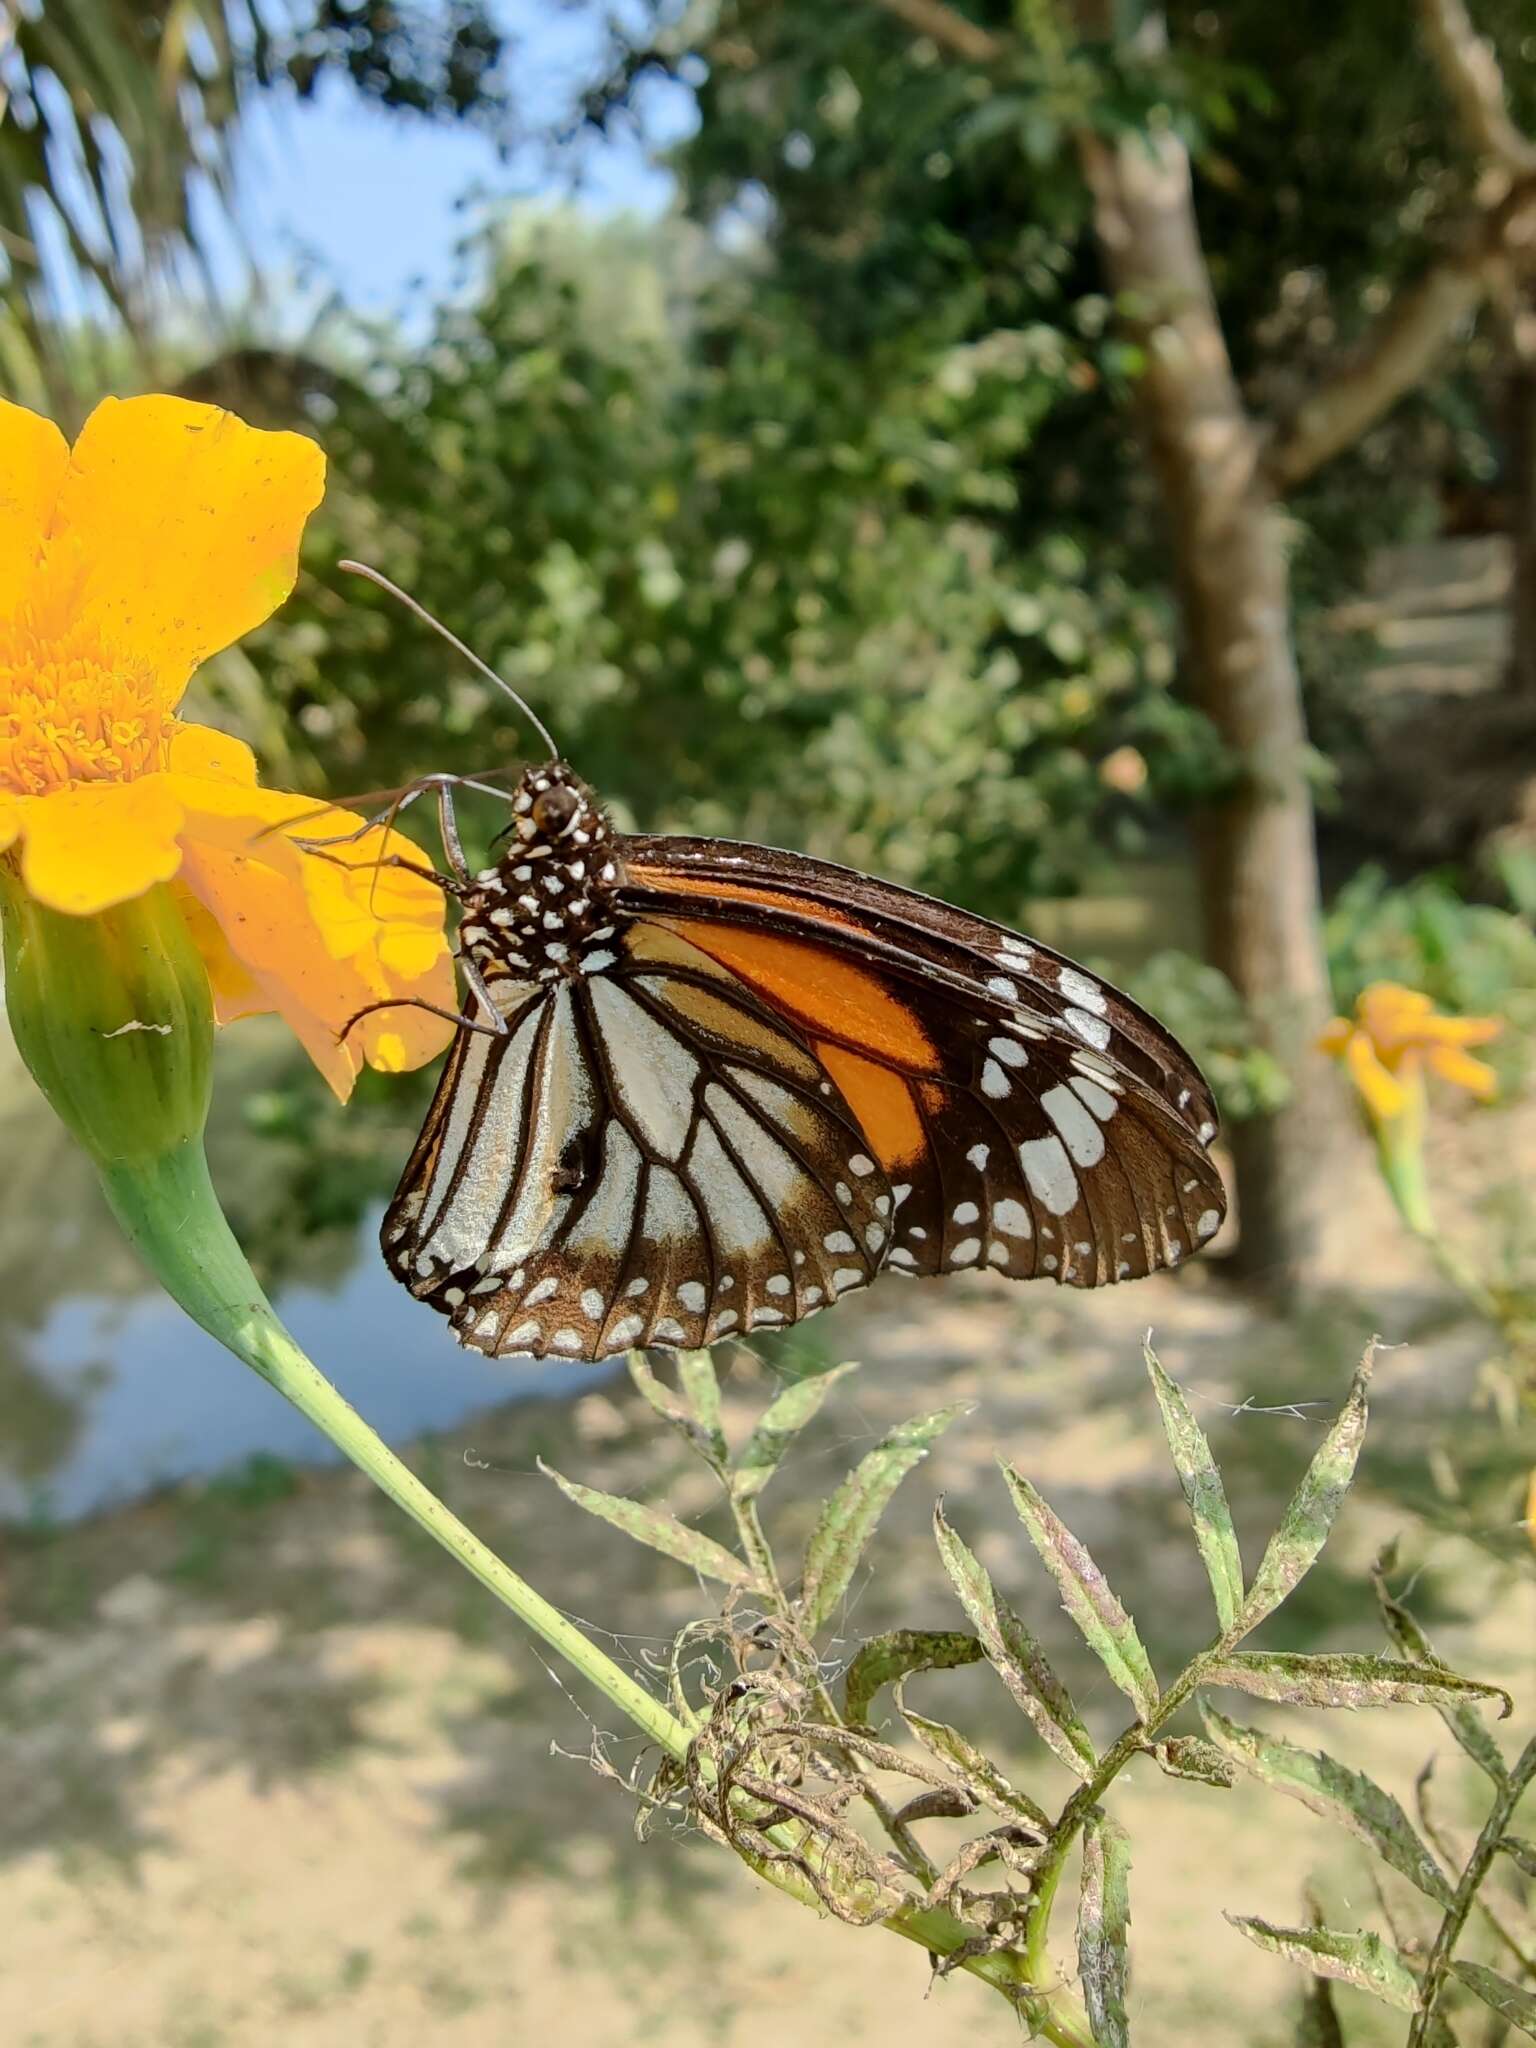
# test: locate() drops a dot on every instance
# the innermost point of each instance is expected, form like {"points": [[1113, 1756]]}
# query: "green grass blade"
{"points": [[1103, 1929], [850, 1517], [1085, 1593], [1204, 1493], [1015, 1655], [778, 1426], [1330, 1789], [657, 1530]]}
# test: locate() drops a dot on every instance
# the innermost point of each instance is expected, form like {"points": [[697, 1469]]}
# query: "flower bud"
{"points": [[114, 1017]]}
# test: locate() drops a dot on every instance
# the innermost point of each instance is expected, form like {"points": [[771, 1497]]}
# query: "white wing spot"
{"points": [[860, 1165], [882, 1205], [525, 1333], [997, 1253], [966, 1212], [1208, 1223], [726, 1320], [994, 1082], [670, 1332], [900, 1256], [591, 1304], [1049, 1173], [874, 1236], [1093, 1030], [1077, 988], [691, 1294], [765, 1315], [625, 1331], [964, 1253], [1001, 986], [838, 1241], [1206, 1133], [1012, 1218], [567, 1340], [1009, 1051], [978, 1157], [454, 1296], [777, 1283], [844, 1193], [846, 1277], [898, 1195], [595, 962], [1079, 1132], [542, 1292], [813, 1294], [636, 1288], [1098, 1099]]}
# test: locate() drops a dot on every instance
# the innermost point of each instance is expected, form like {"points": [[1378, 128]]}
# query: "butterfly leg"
{"points": [[495, 1030], [451, 885]]}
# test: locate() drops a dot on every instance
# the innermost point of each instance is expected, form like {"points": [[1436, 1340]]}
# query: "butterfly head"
{"points": [[545, 911]]}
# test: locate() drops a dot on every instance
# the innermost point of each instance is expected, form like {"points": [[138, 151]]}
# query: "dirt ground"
{"points": [[272, 1768]]}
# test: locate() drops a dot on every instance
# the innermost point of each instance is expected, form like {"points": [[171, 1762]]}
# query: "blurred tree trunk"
{"points": [[1256, 850], [1518, 326]]}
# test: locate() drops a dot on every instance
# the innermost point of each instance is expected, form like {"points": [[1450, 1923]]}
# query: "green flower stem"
{"points": [[171, 1214]]}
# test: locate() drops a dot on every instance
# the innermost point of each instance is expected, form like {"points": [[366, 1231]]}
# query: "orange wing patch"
{"points": [[883, 1104], [831, 996]]}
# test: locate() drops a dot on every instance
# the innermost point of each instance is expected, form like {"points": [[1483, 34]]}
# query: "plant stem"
{"points": [[203, 1268], [171, 1215], [1483, 1853]]}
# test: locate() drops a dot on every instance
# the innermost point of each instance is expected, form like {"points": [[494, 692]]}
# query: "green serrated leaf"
{"points": [[1204, 1493], [1523, 1853], [1462, 1720], [978, 1771], [1187, 1756], [1015, 1655], [656, 1529], [884, 1659], [1508, 2000], [1085, 1593], [1103, 1929], [1348, 1798], [701, 1389], [780, 1423], [1304, 1527], [666, 1403], [1345, 1680], [849, 1518], [1361, 1959]]}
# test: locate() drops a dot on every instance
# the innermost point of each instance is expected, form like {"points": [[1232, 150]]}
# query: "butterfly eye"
{"points": [[554, 810]]}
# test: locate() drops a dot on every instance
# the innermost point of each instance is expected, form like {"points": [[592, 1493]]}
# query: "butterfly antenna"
{"points": [[410, 603]]}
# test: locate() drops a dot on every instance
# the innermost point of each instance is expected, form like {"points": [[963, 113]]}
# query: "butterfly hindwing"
{"points": [[648, 1156]]}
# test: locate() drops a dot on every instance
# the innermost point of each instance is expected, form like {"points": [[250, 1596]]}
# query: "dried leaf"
{"points": [[979, 1772], [1307, 1520], [886, 1658], [1339, 1794], [1463, 1720], [1508, 2000], [778, 1426], [1523, 1853], [701, 1388], [1086, 1595], [1187, 1756], [1345, 1680], [849, 1518], [1204, 1493], [660, 1531], [1361, 1959], [1016, 1656], [1103, 1929]]}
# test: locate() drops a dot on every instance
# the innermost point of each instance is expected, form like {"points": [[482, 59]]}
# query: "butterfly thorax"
{"points": [[545, 911]]}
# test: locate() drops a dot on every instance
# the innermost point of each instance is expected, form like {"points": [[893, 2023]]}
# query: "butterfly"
{"points": [[711, 1088]]}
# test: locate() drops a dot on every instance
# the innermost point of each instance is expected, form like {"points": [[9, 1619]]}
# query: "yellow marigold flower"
{"points": [[166, 532], [1395, 1035]]}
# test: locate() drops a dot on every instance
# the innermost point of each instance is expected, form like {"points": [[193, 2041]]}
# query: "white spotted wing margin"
{"points": [[1066, 1132], [648, 1157]]}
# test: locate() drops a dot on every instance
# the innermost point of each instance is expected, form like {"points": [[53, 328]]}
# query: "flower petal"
{"points": [[33, 458], [176, 529], [98, 843], [302, 931], [1383, 1094], [200, 750], [236, 993], [10, 823], [1452, 1064], [1336, 1037]]}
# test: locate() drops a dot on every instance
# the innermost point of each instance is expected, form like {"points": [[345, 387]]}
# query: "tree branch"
{"points": [[948, 28], [1470, 72]]}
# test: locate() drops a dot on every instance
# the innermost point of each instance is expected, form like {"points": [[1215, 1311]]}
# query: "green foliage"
{"points": [[1202, 1010], [776, 1770]]}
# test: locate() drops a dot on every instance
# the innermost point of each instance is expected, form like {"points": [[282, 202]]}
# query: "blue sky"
{"points": [[377, 205]]}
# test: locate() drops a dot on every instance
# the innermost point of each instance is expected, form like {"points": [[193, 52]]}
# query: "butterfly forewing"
{"points": [[1031, 1117]]}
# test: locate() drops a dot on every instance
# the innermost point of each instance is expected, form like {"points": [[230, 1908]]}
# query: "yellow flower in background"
{"points": [[169, 530], [1395, 1035]]}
